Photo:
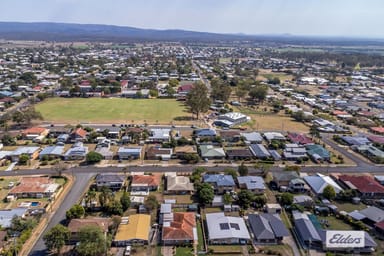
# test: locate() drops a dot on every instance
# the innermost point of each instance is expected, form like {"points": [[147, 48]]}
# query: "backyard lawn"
{"points": [[112, 110]]}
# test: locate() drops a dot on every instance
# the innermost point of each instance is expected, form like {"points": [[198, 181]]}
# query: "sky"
{"points": [[357, 18]]}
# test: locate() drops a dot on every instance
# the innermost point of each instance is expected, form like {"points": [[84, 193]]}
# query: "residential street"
{"points": [[78, 188]]}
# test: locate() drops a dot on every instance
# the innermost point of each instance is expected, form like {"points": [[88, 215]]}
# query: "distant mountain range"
{"points": [[88, 32], [49, 31]]}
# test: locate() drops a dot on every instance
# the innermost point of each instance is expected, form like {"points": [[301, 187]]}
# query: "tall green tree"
{"points": [[246, 197], [92, 241], [220, 90], [258, 93], [105, 196], [56, 238], [197, 99], [242, 169], [93, 157], [205, 193], [329, 192], [151, 203], [125, 201], [75, 212]]}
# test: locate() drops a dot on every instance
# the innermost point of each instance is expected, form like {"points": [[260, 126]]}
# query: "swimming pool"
{"points": [[34, 204]]}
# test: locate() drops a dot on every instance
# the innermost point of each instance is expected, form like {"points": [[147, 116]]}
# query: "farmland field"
{"points": [[112, 110]]}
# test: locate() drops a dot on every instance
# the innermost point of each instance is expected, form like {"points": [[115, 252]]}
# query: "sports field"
{"points": [[111, 110]]}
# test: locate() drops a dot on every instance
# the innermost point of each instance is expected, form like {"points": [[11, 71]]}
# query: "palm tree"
{"points": [[91, 197]]}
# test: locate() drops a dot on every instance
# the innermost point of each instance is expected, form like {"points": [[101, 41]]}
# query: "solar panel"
{"points": [[235, 226], [224, 226]]}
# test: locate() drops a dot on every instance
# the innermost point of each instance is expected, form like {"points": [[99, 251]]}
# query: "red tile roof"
{"points": [[377, 129], [32, 185], [34, 130], [363, 183], [149, 180], [181, 227], [299, 138], [380, 225], [185, 88], [80, 132], [376, 139]]}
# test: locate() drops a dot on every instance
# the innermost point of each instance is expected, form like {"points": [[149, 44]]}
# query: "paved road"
{"points": [[72, 197]]}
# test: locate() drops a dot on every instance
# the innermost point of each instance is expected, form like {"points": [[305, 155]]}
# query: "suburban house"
{"points": [[181, 151], [35, 132], [299, 138], [231, 136], [211, 152], [239, 154], [294, 152], [63, 138], [158, 153], [296, 186], [75, 225], [220, 182], [34, 187], [32, 152], [78, 134], [145, 182], [231, 119], [283, 178], [318, 153], [181, 229], [77, 152], [205, 133], [252, 183], [267, 228], [51, 152], [365, 185], [252, 137], [311, 235], [226, 229], [319, 181], [370, 215], [110, 180], [133, 230], [159, 135], [271, 136], [259, 151], [8, 214], [126, 153], [105, 152], [179, 185]]}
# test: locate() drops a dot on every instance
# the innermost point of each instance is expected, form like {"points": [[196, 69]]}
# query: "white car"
{"points": [[127, 251]]}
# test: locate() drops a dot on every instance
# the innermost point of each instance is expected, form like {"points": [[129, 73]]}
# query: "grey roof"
{"points": [[7, 215], [219, 179], [302, 199], [160, 134], [130, 150], [24, 150], [373, 213], [110, 177], [356, 140], [252, 137], [205, 132], [305, 228], [318, 182], [267, 226], [285, 176], [259, 150], [223, 227], [252, 182], [211, 151], [276, 156], [166, 208], [356, 215], [52, 150]]}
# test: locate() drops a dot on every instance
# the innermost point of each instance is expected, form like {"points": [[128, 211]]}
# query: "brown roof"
{"points": [[76, 224], [80, 132], [34, 130], [181, 227], [153, 151], [185, 149], [32, 185], [149, 180]]}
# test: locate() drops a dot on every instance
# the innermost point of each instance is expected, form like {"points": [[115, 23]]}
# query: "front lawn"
{"points": [[184, 251]]}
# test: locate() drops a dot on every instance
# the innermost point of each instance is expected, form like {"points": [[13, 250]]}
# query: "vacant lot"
{"points": [[112, 110], [267, 121]]}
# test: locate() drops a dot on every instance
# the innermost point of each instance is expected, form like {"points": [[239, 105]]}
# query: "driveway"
{"points": [[73, 196]]}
